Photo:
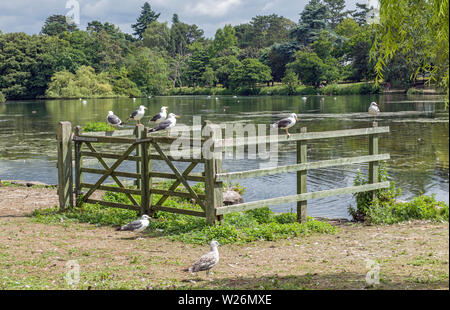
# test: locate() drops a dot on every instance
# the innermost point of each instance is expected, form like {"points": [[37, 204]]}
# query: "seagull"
{"points": [[304, 98], [207, 261], [374, 110], [286, 123], [113, 120], [161, 116], [138, 114], [136, 226], [167, 124], [84, 101]]}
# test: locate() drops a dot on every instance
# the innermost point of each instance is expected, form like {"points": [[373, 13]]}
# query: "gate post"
{"points": [[78, 165], [213, 165], [144, 169], [373, 165], [301, 177], [64, 165]]}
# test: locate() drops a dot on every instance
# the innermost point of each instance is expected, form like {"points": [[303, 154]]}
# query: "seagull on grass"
{"points": [[138, 114], [374, 110], [207, 261], [113, 120], [136, 226], [170, 122], [161, 116], [286, 123]]}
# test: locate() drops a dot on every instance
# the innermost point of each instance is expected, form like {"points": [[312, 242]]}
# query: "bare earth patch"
{"points": [[411, 255]]}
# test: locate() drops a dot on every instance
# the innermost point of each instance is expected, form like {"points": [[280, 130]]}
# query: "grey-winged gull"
{"points": [[286, 123], [374, 110], [138, 114], [113, 120], [170, 122], [161, 116], [136, 226], [206, 261]]}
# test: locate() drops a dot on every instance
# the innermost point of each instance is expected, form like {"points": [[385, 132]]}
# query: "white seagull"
{"points": [[286, 123], [113, 120], [136, 226], [170, 122], [138, 114], [161, 116], [207, 261], [374, 110]]}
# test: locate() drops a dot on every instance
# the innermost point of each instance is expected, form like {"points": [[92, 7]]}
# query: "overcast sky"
{"points": [[29, 15]]}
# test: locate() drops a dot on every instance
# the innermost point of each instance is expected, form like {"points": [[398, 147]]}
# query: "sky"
{"points": [[29, 15]]}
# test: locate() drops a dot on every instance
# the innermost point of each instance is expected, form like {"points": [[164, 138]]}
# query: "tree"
{"points": [[347, 28], [311, 69], [147, 16], [277, 57], [56, 24], [157, 36], [313, 19], [196, 64], [360, 14], [290, 80], [249, 73], [224, 67], [209, 77], [336, 12], [419, 30], [224, 39]]}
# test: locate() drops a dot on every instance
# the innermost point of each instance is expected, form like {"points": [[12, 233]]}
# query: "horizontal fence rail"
{"points": [[138, 146]]}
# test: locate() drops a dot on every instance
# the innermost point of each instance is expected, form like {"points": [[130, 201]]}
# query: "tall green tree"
{"points": [[336, 12], [56, 24], [224, 39], [313, 19], [196, 64], [311, 69], [157, 36], [249, 73], [146, 17]]}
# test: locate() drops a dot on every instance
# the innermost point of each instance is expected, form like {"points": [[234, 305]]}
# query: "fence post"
{"points": [[301, 177], [144, 170], [373, 165], [138, 132], [64, 165], [213, 189], [78, 165]]}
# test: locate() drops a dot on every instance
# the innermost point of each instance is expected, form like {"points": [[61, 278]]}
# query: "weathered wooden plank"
{"points": [[173, 193], [225, 143], [187, 160], [78, 165], [112, 204], [164, 175], [114, 173], [64, 164], [301, 177], [300, 167], [109, 155], [373, 166], [145, 180], [300, 197], [84, 138], [115, 133], [180, 211], [138, 132], [113, 189]]}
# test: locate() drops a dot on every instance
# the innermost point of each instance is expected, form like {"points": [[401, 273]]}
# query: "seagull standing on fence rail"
{"points": [[136, 226], [374, 110], [286, 123], [207, 261], [138, 114], [113, 120], [170, 122], [161, 116]]}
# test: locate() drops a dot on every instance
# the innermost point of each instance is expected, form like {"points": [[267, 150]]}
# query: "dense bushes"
{"points": [[2, 97]]}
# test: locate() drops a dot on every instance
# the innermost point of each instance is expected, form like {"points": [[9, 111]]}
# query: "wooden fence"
{"points": [[148, 148]]}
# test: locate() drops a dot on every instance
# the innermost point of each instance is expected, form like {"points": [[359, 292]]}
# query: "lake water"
{"points": [[418, 141]]}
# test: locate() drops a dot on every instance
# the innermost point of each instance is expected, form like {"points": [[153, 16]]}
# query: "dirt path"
{"points": [[34, 255]]}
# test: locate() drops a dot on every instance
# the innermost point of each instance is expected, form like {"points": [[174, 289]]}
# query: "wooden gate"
{"points": [[148, 148]]}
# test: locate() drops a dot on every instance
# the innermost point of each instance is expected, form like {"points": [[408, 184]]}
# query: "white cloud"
{"points": [[212, 8]]}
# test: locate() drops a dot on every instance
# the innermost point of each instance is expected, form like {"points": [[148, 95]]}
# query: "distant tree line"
{"points": [[326, 45]]}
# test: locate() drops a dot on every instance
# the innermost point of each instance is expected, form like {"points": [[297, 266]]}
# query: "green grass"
{"points": [[253, 225], [97, 126]]}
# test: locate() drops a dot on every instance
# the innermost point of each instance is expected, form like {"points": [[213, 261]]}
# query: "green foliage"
{"points": [[157, 36], [84, 83], [2, 98], [57, 24], [351, 89], [311, 69], [249, 73], [97, 126], [146, 17], [313, 19], [290, 81]]}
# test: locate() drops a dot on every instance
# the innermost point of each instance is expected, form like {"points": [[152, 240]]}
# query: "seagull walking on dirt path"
{"points": [[136, 226], [207, 261], [286, 123]]}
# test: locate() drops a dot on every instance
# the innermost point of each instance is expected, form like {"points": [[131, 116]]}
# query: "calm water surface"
{"points": [[418, 141]]}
